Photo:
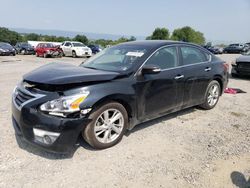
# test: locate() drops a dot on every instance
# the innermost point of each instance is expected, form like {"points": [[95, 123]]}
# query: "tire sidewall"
{"points": [[89, 133], [205, 104]]}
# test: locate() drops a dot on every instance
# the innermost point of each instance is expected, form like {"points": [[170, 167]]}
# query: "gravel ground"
{"points": [[191, 148]]}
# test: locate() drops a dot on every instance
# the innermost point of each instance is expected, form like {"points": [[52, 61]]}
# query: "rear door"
{"points": [[197, 71]]}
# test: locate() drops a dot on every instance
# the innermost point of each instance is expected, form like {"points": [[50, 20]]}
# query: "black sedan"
{"points": [[241, 67], [113, 91], [7, 49], [24, 48]]}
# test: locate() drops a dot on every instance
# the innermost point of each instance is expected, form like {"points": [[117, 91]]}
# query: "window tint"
{"points": [[164, 58], [193, 55], [68, 44]]}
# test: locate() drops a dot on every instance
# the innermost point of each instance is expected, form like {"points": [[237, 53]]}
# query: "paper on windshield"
{"points": [[136, 54]]}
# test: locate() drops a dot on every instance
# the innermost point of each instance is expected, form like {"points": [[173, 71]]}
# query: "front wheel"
{"points": [[212, 95], [74, 54], [23, 51], [109, 122]]}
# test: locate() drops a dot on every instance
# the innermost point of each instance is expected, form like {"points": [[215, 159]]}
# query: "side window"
{"points": [[67, 44], [193, 55], [164, 58]]}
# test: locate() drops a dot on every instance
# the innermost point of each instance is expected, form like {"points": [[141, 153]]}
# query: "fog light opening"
{"points": [[45, 137]]}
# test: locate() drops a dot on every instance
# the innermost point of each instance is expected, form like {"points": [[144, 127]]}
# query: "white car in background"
{"points": [[75, 49]]}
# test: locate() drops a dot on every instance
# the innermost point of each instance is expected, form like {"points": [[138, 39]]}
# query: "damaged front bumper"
{"points": [[55, 134]]}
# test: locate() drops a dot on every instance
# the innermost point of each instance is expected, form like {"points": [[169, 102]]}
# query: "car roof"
{"points": [[72, 41], [155, 43]]}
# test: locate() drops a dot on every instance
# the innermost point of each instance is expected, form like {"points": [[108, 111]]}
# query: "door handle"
{"points": [[208, 69], [178, 77]]}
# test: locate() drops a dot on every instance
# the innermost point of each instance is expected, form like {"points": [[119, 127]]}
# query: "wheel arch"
{"points": [[115, 98], [219, 79]]}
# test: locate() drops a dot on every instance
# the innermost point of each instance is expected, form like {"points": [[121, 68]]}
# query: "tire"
{"points": [[74, 54], [211, 97], [98, 133], [23, 52]]}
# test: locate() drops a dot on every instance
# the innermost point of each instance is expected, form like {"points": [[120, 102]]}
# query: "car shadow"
{"points": [[161, 119], [240, 180]]}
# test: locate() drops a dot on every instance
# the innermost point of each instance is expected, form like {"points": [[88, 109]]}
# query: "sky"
{"points": [[219, 20]]}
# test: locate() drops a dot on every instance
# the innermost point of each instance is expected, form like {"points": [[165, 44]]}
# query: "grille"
{"points": [[21, 97]]}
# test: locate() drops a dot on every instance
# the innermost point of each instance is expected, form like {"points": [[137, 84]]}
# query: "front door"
{"points": [[163, 92]]}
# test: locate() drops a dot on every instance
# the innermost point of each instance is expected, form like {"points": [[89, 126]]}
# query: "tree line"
{"points": [[13, 37], [186, 34]]}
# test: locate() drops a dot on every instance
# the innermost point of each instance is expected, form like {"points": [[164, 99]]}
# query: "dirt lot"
{"points": [[191, 148]]}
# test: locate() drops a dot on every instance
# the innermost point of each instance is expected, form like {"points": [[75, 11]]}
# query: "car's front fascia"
{"points": [[51, 132], [83, 51]]}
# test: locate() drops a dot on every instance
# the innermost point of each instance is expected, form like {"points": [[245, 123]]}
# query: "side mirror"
{"points": [[150, 69]]}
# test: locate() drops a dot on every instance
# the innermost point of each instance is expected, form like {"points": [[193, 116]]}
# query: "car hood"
{"points": [[9, 48], [61, 74], [244, 58]]}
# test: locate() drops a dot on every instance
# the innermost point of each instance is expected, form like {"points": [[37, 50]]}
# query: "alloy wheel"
{"points": [[213, 95], [109, 126]]}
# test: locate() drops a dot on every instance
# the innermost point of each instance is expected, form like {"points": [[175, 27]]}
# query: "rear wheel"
{"points": [[109, 122], [212, 95]]}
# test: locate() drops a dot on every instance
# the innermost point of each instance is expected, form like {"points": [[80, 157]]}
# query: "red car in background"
{"points": [[48, 50]]}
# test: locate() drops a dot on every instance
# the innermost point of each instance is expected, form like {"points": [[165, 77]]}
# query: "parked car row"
{"points": [[232, 48], [236, 48], [46, 49]]}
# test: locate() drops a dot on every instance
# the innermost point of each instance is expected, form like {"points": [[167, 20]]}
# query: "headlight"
{"points": [[64, 105]]}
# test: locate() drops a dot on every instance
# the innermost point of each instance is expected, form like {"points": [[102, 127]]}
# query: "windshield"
{"points": [[117, 58], [49, 45], [78, 44], [26, 45], [5, 45]]}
